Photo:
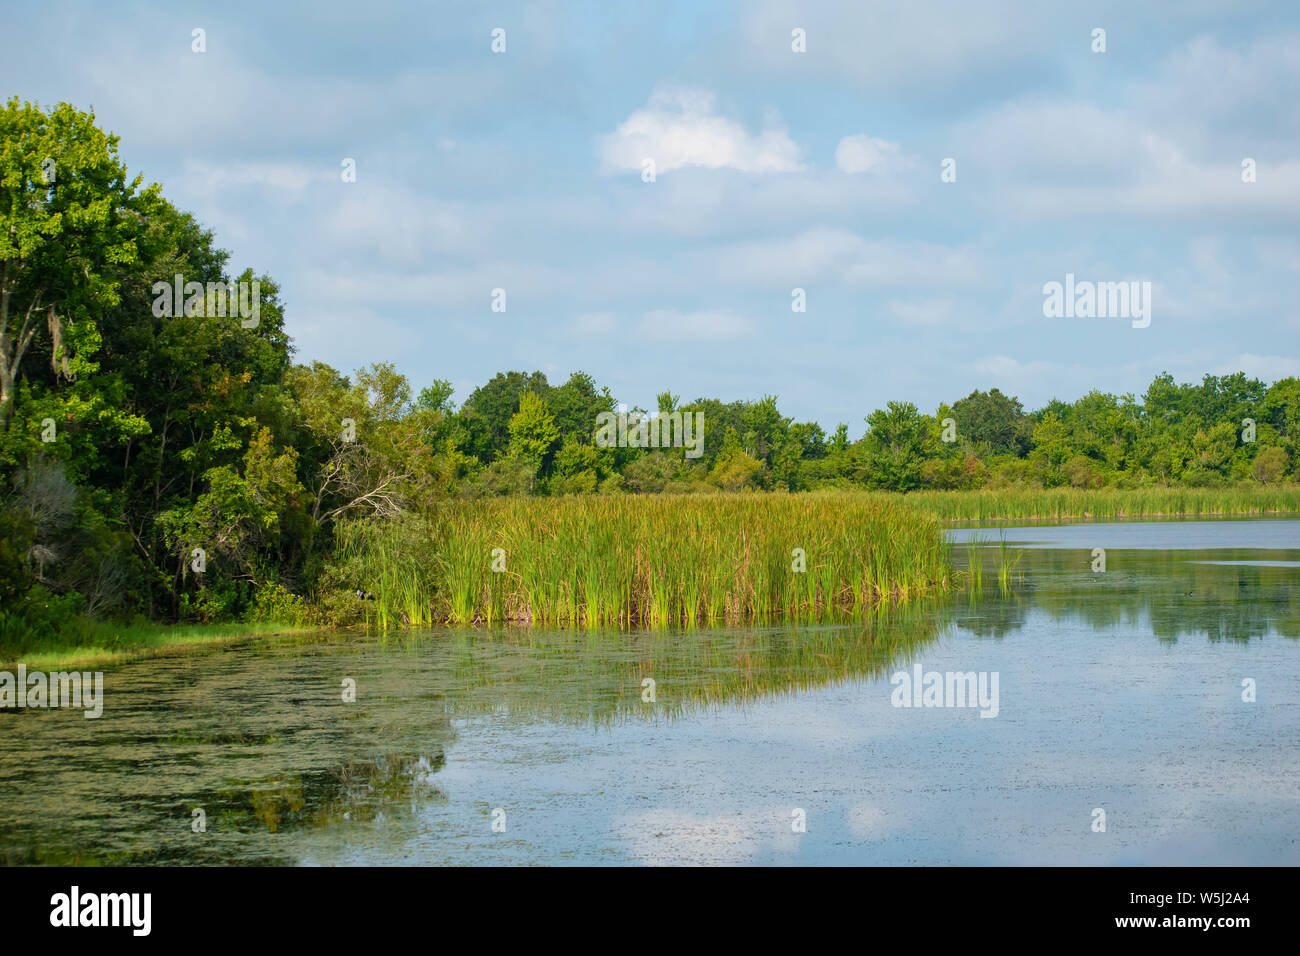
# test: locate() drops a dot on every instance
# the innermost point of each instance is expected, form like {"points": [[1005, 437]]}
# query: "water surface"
{"points": [[1119, 690]]}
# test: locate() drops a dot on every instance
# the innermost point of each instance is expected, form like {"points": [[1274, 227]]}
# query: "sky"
{"points": [[774, 170]]}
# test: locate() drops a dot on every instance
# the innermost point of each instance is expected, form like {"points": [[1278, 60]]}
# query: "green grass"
{"points": [[1008, 564], [1003, 559], [89, 643], [1013, 504], [644, 561]]}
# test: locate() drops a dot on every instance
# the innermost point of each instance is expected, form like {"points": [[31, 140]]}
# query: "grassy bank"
{"points": [[653, 560], [87, 643], [1030, 503]]}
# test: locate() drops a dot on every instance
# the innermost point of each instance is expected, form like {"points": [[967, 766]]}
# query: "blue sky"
{"points": [[774, 170]]}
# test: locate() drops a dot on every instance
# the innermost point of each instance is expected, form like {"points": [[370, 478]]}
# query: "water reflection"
{"points": [[1203, 593], [601, 677], [259, 737]]}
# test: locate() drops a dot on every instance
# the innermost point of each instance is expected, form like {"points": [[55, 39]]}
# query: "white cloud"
{"points": [[1270, 368], [1211, 94], [929, 312], [669, 325], [837, 255], [469, 290], [679, 128], [594, 325], [403, 226], [902, 50], [1006, 369], [286, 180], [1278, 253], [350, 338], [1059, 160], [865, 154], [1169, 147], [697, 202]]}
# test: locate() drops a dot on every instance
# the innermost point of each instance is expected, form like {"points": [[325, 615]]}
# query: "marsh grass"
{"points": [[88, 643], [644, 560], [1013, 504], [1008, 564], [974, 567], [1005, 561]]}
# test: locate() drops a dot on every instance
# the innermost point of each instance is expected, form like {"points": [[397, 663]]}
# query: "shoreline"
{"points": [[161, 640], [1139, 516], [96, 644]]}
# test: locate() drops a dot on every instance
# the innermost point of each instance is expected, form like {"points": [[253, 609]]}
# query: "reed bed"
{"points": [[1008, 560], [1003, 558], [644, 561], [1047, 503]]}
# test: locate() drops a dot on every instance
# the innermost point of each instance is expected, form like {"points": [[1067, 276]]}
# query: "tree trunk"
{"points": [[12, 350]]}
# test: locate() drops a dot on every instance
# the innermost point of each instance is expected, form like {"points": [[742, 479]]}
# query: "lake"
{"points": [[1118, 690]]}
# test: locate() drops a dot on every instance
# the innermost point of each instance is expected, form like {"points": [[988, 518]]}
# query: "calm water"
{"points": [[1120, 690]]}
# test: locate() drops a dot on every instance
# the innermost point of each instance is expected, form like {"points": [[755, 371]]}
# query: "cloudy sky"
{"points": [[774, 170]]}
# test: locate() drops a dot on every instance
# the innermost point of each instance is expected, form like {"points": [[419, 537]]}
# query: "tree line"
{"points": [[517, 434]]}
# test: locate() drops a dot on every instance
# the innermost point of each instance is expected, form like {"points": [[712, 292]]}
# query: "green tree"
{"points": [[437, 397], [575, 405], [69, 220], [894, 449], [992, 420], [1052, 448], [490, 407], [533, 432]]}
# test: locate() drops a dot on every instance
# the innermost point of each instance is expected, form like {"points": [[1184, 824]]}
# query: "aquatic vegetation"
{"points": [[84, 642], [1005, 559], [1038, 503], [661, 560], [1008, 562]]}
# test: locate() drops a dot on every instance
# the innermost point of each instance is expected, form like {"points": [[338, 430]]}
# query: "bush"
{"points": [[613, 485], [507, 476], [649, 473], [276, 604], [1269, 465], [1082, 472], [737, 471], [583, 483], [16, 532]]}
